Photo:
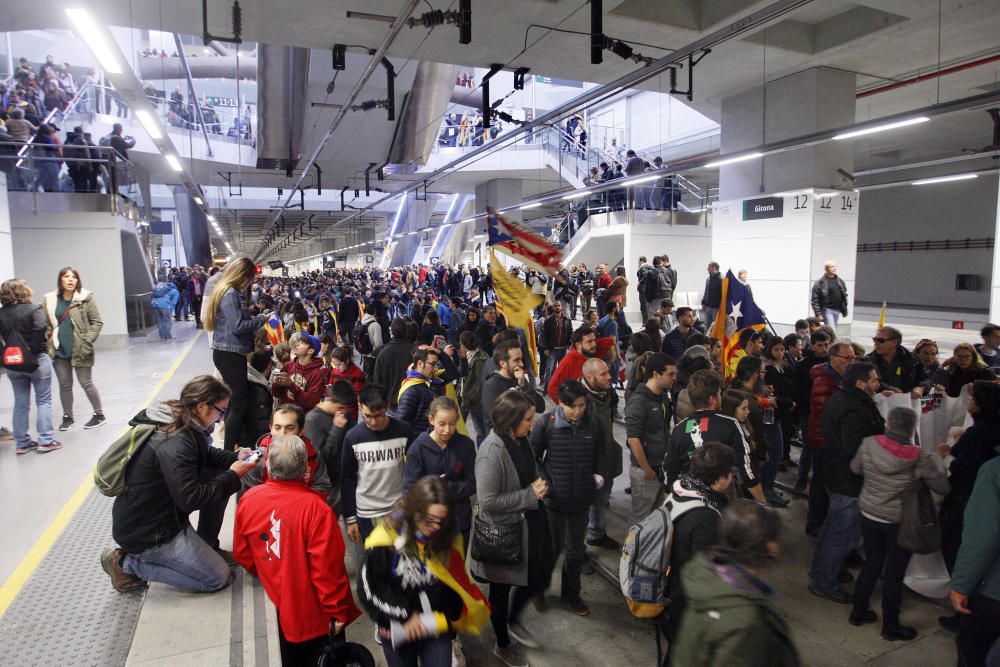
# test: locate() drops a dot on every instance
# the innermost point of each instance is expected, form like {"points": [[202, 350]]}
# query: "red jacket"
{"points": [[352, 374], [825, 384], [604, 281], [308, 383], [301, 561], [571, 366]]}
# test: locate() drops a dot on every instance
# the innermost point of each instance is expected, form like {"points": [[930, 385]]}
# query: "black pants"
{"points": [[881, 549], [569, 530], [233, 368], [819, 501], [977, 631], [504, 611], [211, 516], [196, 310], [296, 654], [952, 519]]}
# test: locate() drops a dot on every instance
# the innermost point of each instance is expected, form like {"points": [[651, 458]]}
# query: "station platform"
{"points": [[57, 606]]}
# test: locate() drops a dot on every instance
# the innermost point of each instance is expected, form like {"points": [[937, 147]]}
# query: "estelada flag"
{"points": [[522, 243], [737, 304], [517, 302], [275, 332]]}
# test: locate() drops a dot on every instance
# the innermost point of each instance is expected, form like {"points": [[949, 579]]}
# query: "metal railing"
{"points": [[38, 167], [138, 315]]}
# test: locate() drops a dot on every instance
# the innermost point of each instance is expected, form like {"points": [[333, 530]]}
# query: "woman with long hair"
{"points": [[233, 327], [177, 472], [413, 581], [966, 366], [20, 315], [509, 490], [76, 323], [747, 381]]}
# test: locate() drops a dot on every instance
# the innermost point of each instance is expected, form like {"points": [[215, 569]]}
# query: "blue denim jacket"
{"points": [[234, 327]]}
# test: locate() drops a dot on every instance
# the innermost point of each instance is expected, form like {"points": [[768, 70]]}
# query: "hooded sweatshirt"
{"points": [[308, 383], [730, 619]]}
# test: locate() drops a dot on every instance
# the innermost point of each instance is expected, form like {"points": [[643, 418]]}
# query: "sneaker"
{"points": [[5, 433], [67, 423], [97, 420], [111, 561], [577, 606], [522, 635], [605, 543], [27, 448], [901, 633], [49, 447], [838, 595], [862, 617], [776, 500], [511, 655]]}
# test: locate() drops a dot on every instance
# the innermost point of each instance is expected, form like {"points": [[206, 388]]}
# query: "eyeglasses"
{"points": [[222, 411], [844, 356], [876, 339]]}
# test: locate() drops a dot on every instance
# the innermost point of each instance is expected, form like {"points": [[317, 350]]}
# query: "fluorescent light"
{"points": [[945, 179], [577, 194], [147, 122], [94, 37], [199, 201], [882, 128], [733, 160], [211, 218], [173, 162], [532, 205]]}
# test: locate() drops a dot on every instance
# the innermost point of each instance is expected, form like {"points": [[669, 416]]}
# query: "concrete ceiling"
{"points": [[881, 40]]}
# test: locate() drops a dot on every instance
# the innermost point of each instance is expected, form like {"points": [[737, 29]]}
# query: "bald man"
{"points": [[597, 381]]}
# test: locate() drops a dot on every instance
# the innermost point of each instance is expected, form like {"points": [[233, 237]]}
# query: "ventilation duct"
{"points": [[282, 77], [420, 118]]}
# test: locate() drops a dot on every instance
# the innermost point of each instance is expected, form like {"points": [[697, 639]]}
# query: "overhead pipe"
{"points": [[596, 32], [920, 78], [193, 96], [375, 61]]}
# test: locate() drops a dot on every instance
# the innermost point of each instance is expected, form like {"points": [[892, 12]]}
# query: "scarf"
{"points": [[688, 487]]}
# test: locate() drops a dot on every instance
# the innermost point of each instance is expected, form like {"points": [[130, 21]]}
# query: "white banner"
{"points": [[937, 414]]}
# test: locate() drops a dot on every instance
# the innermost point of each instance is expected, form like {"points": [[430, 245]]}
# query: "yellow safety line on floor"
{"points": [[19, 577]]}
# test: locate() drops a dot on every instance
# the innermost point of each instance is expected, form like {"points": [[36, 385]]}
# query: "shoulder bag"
{"points": [[919, 528], [496, 544]]}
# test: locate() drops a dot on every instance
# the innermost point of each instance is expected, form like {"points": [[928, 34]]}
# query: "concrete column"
{"points": [[995, 278], [809, 101], [781, 217], [6, 244], [498, 193]]}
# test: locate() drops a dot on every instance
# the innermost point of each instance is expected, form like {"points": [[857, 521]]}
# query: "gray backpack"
{"points": [[645, 561]]}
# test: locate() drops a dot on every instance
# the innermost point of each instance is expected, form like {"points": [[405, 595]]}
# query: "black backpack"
{"points": [[361, 337], [17, 356]]}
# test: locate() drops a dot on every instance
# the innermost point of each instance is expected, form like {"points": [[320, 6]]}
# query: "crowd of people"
{"points": [[400, 403]]}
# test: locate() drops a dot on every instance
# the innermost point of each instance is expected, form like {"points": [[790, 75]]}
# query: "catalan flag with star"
{"points": [[737, 303]]}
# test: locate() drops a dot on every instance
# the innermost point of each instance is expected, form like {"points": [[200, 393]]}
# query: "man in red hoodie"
{"points": [[586, 345], [290, 538], [303, 379], [289, 419]]}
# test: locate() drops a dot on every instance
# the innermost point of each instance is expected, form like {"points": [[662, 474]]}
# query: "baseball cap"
{"points": [[313, 342]]}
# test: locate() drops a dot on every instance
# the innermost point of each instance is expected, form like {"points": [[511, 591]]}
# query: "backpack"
{"points": [[17, 356], [109, 472], [645, 561], [656, 284], [361, 337], [105, 140]]}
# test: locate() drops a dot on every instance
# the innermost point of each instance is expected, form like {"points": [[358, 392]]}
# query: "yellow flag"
{"points": [[881, 317], [517, 302]]}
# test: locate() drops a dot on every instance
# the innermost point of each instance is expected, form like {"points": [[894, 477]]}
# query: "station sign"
{"points": [[763, 208]]}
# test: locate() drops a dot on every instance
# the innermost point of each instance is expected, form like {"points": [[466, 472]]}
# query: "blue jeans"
{"points": [[434, 652], [832, 316], [22, 383], [840, 534], [596, 524], [186, 562], [163, 323]]}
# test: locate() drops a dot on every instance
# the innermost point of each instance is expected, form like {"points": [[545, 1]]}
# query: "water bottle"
{"points": [[767, 408]]}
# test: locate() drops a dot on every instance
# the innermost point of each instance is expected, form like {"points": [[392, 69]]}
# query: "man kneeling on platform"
{"points": [[288, 536], [175, 472]]}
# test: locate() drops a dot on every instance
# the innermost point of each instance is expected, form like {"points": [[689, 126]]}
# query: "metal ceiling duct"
{"points": [[419, 119], [282, 78]]}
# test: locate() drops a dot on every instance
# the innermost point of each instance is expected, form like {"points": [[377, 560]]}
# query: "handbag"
{"points": [[919, 528], [496, 544], [17, 356]]}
